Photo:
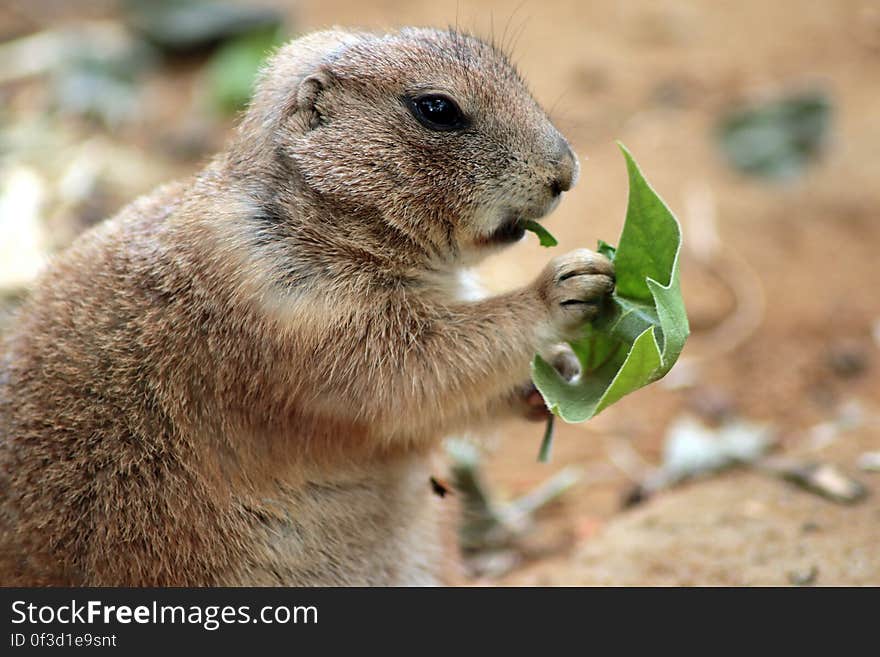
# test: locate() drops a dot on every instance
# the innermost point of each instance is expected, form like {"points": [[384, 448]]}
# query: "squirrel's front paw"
{"points": [[563, 360], [574, 286]]}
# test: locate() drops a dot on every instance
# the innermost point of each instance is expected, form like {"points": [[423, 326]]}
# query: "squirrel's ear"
{"points": [[308, 95]]}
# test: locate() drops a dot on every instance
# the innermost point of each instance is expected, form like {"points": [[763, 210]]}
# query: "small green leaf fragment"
{"points": [[607, 250], [543, 234]]}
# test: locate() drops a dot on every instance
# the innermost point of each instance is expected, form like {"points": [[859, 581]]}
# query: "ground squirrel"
{"points": [[242, 378]]}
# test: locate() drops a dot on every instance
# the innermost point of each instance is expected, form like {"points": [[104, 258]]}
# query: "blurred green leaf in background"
{"points": [[182, 26], [776, 140], [232, 70]]}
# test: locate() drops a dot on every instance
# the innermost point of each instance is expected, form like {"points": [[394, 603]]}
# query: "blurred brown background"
{"points": [[758, 124]]}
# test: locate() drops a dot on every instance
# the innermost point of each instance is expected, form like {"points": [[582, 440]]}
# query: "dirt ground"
{"points": [[785, 313]]}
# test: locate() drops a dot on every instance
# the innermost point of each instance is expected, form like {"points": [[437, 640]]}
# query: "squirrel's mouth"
{"points": [[511, 230]]}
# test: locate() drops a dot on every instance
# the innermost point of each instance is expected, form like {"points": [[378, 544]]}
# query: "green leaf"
{"points": [[543, 234], [233, 69], [639, 336]]}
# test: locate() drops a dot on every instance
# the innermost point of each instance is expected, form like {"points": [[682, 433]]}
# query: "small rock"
{"points": [[693, 448], [673, 93], [591, 79], [23, 242], [804, 577], [713, 405], [847, 359], [492, 564], [633, 496], [826, 480]]}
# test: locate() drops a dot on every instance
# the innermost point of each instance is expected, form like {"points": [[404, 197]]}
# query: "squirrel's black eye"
{"points": [[437, 112]]}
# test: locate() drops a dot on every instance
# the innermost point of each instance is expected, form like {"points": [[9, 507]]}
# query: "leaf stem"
{"points": [[544, 452]]}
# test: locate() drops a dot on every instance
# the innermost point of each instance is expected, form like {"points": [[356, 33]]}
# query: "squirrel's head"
{"points": [[431, 132]]}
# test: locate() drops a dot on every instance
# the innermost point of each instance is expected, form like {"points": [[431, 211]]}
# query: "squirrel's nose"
{"points": [[566, 168]]}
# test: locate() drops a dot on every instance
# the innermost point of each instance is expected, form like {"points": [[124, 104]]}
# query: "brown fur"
{"points": [[242, 379]]}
